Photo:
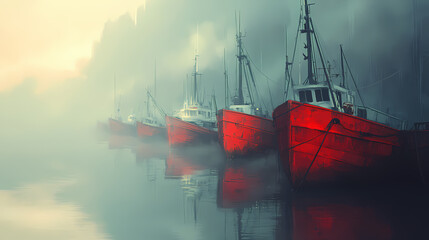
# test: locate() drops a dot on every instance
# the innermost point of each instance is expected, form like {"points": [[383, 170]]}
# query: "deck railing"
{"points": [[381, 117]]}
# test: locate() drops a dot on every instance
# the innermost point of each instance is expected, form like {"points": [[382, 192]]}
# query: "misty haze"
{"points": [[240, 119]]}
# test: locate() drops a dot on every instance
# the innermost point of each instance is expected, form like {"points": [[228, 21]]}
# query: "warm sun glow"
{"points": [[49, 40]]}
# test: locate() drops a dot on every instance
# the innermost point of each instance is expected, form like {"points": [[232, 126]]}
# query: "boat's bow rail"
{"points": [[380, 117], [421, 126]]}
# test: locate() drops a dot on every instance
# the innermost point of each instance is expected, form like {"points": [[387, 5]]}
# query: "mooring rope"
{"points": [[367, 134], [329, 126]]}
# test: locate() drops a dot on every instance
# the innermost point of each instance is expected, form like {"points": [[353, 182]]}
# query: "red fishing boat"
{"points": [[325, 139], [118, 127], [182, 133], [145, 130], [320, 145], [195, 123], [149, 127], [241, 134], [244, 128]]}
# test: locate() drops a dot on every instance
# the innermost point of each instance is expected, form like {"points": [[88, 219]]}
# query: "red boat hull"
{"points": [[242, 134], [145, 131], [120, 128], [181, 133], [355, 149]]}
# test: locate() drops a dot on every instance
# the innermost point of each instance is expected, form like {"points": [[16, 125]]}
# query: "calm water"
{"points": [[120, 188]]}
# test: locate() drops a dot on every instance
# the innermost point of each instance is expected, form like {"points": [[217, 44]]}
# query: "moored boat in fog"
{"points": [[244, 128], [195, 123], [325, 139]]}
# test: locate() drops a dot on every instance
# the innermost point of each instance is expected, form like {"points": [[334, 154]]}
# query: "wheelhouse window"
{"points": [[318, 93], [325, 94], [301, 96], [305, 96]]}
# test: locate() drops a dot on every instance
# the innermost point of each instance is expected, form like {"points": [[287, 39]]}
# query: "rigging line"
{"points": [[160, 109], [254, 84], [367, 134], [353, 78], [249, 58], [381, 80], [290, 79], [253, 80], [248, 86], [334, 99], [296, 42], [271, 96]]}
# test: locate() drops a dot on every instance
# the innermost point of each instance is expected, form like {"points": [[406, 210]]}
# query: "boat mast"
{"points": [[307, 30], [115, 108], [343, 84], [287, 69], [154, 80], [240, 56], [226, 80], [194, 74]]}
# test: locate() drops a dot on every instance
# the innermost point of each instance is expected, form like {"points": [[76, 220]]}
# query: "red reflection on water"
{"points": [[186, 161], [338, 221], [242, 183], [152, 149]]}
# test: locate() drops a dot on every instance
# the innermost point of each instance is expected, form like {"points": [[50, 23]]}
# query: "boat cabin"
{"points": [[320, 95], [248, 109], [151, 122], [197, 114]]}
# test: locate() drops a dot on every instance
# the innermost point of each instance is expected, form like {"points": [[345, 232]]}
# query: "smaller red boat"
{"points": [[146, 131], [121, 128], [149, 127], [243, 128], [195, 123], [241, 134], [182, 133]]}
